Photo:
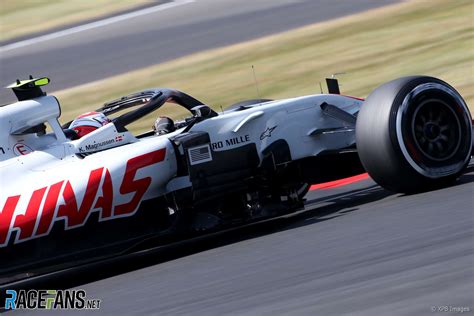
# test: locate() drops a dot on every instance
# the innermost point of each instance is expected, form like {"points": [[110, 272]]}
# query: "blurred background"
{"points": [[98, 50]]}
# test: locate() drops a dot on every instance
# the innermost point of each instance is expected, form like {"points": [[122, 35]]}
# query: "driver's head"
{"points": [[88, 122]]}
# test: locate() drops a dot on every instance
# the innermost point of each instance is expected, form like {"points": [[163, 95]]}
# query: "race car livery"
{"points": [[66, 196]]}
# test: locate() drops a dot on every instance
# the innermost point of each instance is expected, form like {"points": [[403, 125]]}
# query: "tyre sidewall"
{"points": [[381, 137]]}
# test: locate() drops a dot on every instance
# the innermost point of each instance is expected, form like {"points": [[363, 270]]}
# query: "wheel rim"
{"points": [[416, 129], [436, 130]]}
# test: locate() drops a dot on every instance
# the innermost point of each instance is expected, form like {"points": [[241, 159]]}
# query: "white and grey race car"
{"points": [[64, 197]]}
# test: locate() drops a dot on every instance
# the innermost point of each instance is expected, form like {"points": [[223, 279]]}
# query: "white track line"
{"points": [[93, 25]]}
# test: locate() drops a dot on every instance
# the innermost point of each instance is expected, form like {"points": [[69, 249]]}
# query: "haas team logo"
{"points": [[59, 201]]}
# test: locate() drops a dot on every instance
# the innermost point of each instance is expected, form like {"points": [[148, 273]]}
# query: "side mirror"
{"points": [[203, 112]]}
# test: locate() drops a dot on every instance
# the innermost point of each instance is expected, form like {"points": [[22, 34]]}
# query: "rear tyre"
{"points": [[414, 134]]}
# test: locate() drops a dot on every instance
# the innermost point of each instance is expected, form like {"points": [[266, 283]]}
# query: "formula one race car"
{"points": [[66, 197]]}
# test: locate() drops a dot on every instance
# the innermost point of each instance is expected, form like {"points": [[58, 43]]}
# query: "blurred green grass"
{"points": [[417, 37], [22, 17]]}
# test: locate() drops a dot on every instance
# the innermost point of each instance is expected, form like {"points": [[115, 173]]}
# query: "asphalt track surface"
{"points": [[156, 37], [355, 250]]}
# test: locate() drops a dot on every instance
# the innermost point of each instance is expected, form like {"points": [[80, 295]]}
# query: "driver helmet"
{"points": [[88, 122]]}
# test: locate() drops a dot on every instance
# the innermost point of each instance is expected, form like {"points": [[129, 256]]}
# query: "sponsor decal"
{"points": [[2, 151], [39, 217], [267, 133], [231, 142], [49, 299], [21, 149]]}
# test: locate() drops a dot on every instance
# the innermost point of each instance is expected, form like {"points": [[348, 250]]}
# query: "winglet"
{"points": [[30, 88], [29, 84]]}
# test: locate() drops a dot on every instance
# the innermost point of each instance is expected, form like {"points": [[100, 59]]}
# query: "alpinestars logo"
{"points": [[267, 133]]}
